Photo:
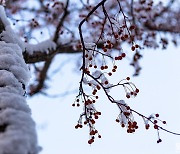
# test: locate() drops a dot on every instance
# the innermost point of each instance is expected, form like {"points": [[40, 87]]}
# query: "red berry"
{"points": [[106, 82], [135, 123], [117, 120], [127, 96], [113, 70], [158, 141], [123, 55], [120, 57], [102, 67], [92, 132], [94, 93], [90, 58], [99, 113], [92, 121], [136, 46], [147, 126], [133, 48], [105, 50], [90, 142], [155, 126], [122, 38], [77, 126], [137, 90], [98, 87], [96, 117], [122, 125], [116, 36], [115, 67], [126, 36], [126, 113], [109, 73], [157, 115], [106, 67], [128, 78], [164, 122], [127, 107], [86, 55], [155, 121]]}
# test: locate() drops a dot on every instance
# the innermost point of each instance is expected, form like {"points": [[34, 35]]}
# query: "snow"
{"points": [[17, 129], [19, 136], [11, 48], [9, 36], [8, 82], [15, 102], [3, 16], [44, 46], [13, 62]]}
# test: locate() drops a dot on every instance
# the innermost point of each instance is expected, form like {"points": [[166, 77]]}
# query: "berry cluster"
{"points": [[125, 118], [154, 119], [123, 55], [76, 103], [34, 23], [89, 117], [92, 136]]}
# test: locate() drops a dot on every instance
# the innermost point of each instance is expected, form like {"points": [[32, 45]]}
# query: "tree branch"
{"points": [[42, 56], [43, 73], [162, 27]]}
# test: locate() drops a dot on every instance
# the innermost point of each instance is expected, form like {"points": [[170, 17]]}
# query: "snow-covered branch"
{"points": [[17, 129], [8, 35]]}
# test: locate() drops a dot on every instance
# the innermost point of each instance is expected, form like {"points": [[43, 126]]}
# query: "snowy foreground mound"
{"points": [[17, 129]]}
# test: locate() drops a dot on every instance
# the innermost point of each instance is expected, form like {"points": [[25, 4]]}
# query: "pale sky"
{"points": [[159, 84]]}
